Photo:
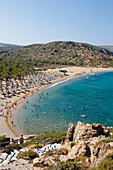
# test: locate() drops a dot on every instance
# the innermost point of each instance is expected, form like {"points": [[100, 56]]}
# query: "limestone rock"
{"points": [[70, 132], [85, 132], [37, 162], [99, 153], [78, 129], [80, 149], [101, 149]]}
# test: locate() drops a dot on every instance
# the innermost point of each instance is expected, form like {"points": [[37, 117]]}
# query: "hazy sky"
{"points": [[41, 21]]}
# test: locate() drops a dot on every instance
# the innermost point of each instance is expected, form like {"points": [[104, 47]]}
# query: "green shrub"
{"points": [[56, 158], [102, 141], [64, 151], [48, 153], [30, 137], [72, 144], [15, 146], [55, 137], [81, 158], [65, 166], [83, 161], [2, 139], [106, 163], [30, 154], [92, 168]]}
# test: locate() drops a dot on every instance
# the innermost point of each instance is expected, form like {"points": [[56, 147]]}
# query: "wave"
{"points": [[60, 82]]}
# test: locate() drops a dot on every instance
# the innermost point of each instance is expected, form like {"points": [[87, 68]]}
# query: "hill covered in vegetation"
{"points": [[23, 59]]}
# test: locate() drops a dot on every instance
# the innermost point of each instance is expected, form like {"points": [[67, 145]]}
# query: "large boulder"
{"points": [[84, 132], [37, 162], [80, 149], [98, 128]]}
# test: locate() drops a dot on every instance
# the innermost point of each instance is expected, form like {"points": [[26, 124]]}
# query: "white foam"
{"points": [[59, 82]]}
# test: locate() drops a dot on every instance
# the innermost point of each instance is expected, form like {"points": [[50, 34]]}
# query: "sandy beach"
{"points": [[6, 124]]}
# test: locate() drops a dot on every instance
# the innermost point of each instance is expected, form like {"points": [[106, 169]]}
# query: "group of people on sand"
{"points": [[16, 86]]}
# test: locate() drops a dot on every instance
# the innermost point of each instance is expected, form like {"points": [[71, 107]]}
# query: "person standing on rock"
{"points": [[21, 139]]}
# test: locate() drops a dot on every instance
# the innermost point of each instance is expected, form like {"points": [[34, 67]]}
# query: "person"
{"points": [[12, 123], [13, 141], [21, 139]]}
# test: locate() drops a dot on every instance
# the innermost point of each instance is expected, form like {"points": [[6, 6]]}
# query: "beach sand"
{"points": [[6, 127]]}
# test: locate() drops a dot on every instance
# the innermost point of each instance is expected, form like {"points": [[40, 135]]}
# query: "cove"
{"points": [[89, 95]]}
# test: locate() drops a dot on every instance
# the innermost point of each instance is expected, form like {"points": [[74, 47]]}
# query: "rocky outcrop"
{"points": [[101, 149], [80, 149], [85, 132], [85, 136], [37, 162], [99, 152], [70, 132], [83, 142], [100, 129]]}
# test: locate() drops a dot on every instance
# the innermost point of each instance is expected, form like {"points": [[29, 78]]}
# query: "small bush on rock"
{"points": [[14, 146], [101, 141], [29, 154], [64, 151], [72, 144], [48, 153], [4, 139], [84, 161], [56, 158], [92, 168], [106, 163], [65, 166]]}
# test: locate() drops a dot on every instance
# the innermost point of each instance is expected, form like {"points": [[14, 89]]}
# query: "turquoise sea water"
{"points": [[90, 95]]}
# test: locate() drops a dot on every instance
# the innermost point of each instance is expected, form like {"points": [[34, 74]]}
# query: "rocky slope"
{"points": [[85, 144], [82, 143]]}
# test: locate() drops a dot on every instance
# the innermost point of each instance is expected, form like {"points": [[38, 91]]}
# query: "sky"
{"points": [[26, 22]]}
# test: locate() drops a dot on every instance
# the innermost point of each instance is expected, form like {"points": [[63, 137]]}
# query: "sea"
{"points": [[88, 99]]}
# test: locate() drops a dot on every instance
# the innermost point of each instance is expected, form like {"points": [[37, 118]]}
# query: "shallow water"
{"points": [[90, 95]]}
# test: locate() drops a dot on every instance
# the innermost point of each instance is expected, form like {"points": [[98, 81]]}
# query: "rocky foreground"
{"points": [[86, 144]]}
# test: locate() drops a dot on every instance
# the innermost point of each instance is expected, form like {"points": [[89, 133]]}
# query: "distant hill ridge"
{"points": [[4, 46], [63, 52], [110, 48], [17, 61]]}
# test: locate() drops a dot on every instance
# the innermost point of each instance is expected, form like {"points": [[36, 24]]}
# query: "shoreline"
{"points": [[71, 75], [8, 119]]}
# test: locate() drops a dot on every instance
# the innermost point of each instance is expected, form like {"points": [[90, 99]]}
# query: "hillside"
{"points": [[110, 48], [54, 53], [68, 53]]}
